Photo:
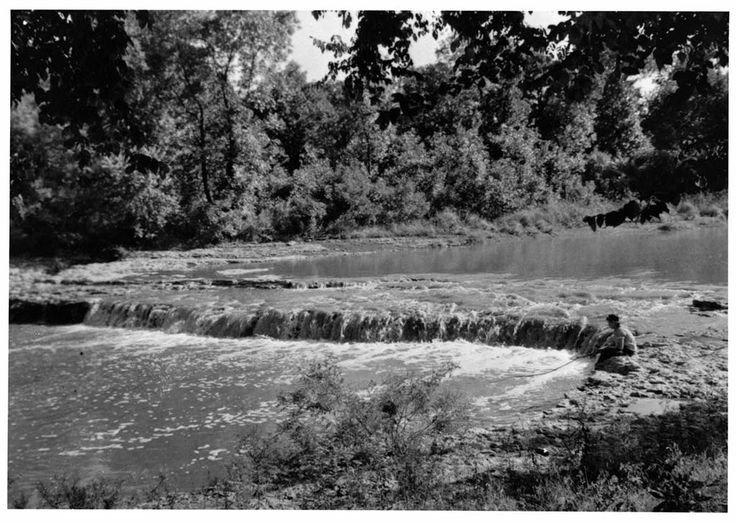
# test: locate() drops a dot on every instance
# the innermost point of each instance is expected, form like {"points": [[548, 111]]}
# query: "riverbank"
{"points": [[682, 361], [557, 218]]}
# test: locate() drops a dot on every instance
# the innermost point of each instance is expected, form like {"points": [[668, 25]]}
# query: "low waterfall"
{"points": [[488, 328], [515, 328]]}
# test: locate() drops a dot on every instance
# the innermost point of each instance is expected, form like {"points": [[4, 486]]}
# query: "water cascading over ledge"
{"points": [[485, 327]]}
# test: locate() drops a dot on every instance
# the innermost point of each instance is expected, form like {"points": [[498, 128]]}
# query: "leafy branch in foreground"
{"points": [[348, 448]]}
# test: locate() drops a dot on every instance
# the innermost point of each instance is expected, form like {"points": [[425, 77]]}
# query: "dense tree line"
{"points": [[156, 128]]}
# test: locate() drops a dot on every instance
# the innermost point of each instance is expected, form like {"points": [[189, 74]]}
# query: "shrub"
{"points": [[353, 450], [161, 495], [300, 215], [543, 226], [712, 211], [476, 222], [511, 226], [66, 492], [687, 483], [414, 228], [399, 203], [350, 197], [447, 220], [17, 498], [687, 210], [674, 461], [526, 219]]}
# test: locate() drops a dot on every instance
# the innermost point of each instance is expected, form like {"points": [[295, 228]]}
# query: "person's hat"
{"points": [[612, 317]]}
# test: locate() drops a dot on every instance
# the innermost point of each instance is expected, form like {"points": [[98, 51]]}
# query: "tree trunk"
{"points": [[231, 152], [203, 155]]}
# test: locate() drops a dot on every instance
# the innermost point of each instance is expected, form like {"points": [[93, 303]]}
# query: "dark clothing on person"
{"points": [[611, 352]]}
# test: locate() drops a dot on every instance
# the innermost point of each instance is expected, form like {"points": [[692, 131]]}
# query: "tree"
{"points": [[58, 204], [496, 45], [617, 123], [695, 131], [207, 65], [74, 64], [286, 104]]}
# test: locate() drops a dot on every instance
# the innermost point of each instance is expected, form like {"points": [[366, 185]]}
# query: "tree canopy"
{"points": [[154, 128], [497, 46]]}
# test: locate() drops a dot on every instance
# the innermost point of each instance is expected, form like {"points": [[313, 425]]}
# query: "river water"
{"points": [[130, 403], [696, 255], [133, 403]]}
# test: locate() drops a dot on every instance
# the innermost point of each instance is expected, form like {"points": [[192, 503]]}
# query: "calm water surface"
{"points": [[698, 256]]}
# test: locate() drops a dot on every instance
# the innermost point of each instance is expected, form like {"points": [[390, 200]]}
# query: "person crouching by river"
{"points": [[621, 342]]}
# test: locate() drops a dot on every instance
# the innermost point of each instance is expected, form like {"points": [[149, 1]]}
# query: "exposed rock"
{"points": [[623, 365], [47, 312], [602, 380], [708, 305]]}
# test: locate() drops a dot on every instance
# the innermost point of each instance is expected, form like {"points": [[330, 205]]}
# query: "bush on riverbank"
{"points": [[553, 216], [72, 493], [351, 456], [671, 462], [711, 205], [343, 449], [676, 461]]}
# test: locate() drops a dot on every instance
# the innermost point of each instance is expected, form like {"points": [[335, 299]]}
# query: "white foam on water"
{"points": [[472, 359], [72, 453], [237, 272], [139, 341], [578, 367], [169, 430], [103, 447], [214, 454], [112, 433]]}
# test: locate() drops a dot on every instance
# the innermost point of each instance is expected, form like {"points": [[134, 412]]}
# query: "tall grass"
{"points": [[710, 205], [554, 215], [545, 218]]}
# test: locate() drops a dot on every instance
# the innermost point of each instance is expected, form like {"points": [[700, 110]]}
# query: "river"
{"points": [[127, 403], [132, 403]]}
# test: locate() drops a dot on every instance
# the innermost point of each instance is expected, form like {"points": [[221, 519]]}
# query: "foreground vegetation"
{"points": [[401, 446]]}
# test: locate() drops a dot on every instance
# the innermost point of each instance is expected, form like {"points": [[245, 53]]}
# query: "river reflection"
{"points": [[698, 255]]}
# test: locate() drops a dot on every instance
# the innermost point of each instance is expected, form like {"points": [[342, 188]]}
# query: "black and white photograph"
{"points": [[265, 258]]}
